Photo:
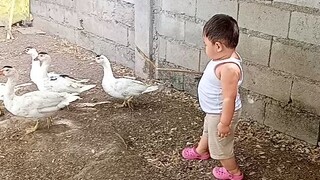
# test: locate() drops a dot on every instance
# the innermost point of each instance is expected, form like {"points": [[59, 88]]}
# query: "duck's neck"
{"points": [[33, 56], [44, 69], [11, 83], [35, 65], [107, 72]]}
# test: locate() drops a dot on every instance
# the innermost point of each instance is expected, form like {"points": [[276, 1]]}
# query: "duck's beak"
{"points": [[1, 72], [36, 59]]}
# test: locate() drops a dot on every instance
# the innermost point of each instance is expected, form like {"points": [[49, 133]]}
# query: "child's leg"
{"points": [[231, 165], [222, 149], [203, 147], [201, 151]]}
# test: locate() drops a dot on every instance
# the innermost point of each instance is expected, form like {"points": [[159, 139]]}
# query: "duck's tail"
{"points": [[72, 97], [87, 87], [68, 99], [150, 89]]}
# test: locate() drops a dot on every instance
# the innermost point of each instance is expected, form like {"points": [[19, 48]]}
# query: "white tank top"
{"points": [[210, 90]]}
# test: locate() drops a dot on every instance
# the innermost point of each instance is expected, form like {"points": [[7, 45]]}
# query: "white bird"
{"points": [[121, 88], [36, 69], [16, 88], [36, 104], [57, 83], [3, 89], [35, 65]]}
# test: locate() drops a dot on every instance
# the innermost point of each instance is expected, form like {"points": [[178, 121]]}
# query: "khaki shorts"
{"points": [[219, 148]]}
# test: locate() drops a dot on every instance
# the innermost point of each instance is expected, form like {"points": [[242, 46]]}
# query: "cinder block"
{"points": [[295, 60], [131, 39], [39, 8], [90, 24], [305, 27], [106, 29], [104, 47], [85, 6], [191, 83], [71, 18], [143, 35], [254, 49], [264, 18], [55, 29], [293, 122], [162, 48], [264, 81], [307, 3], [175, 78], [45, 25], [124, 13], [305, 94], [204, 60], [66, 3], [183, 56], [104, 9], [193, 34], [253, 106], [56, 12], [207, 8], [187, 7], [68, 33], [125, 56], [119, 54], [85, 40], [114, 31], [171, 27], [129, 1]]}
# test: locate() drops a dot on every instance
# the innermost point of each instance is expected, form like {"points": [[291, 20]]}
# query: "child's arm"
{"points": [[229, 76]]}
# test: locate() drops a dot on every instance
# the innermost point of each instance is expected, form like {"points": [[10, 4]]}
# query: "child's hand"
{"points": [[223, 130]]}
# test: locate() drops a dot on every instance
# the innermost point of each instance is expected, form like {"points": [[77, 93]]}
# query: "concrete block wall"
{"points": [[279, 43], [103, 26]]}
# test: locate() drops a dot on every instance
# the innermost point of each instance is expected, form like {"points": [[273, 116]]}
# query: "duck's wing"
{"points": [[16, 88], [53, 75], [129, 87], [42, 101], [60, 84]]}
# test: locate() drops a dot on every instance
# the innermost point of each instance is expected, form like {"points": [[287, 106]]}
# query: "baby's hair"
{"points": [[222, 28]]}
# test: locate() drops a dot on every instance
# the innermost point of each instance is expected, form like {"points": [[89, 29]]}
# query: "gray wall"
{"points": [[103, 26], [279, 44]]}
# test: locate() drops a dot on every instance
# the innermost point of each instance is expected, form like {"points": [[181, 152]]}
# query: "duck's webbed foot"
{"points": [[33, 129], [49, 122], [126, 103], [130, 103]]}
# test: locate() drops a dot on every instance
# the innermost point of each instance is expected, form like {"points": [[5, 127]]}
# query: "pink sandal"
{"points": [[223, 174], [190, 153]]}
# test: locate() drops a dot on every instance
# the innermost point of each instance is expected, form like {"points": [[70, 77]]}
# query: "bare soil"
{"points": [[104, 142]]}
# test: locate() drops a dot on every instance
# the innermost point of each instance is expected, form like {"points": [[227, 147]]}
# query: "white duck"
{"points": [[2, 92], [16, 88], [121, 88], [57, 83], [36, 69], [35, 65], [34, 104]]}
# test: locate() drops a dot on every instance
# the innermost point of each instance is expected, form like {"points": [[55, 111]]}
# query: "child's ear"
{"points": [[219, 46]]}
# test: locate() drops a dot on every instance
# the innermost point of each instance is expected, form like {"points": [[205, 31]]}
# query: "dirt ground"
{"points": [[104, 142]]}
